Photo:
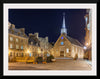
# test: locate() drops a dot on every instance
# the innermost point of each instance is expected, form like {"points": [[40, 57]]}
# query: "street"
{"points": [[60, 64]]}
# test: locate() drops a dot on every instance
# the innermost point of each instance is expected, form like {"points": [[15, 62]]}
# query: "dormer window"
{"points": [[31, 43], [18, 33], [12, 31]]}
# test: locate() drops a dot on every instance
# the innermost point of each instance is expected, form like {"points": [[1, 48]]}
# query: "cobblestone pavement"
{"points": [[60, 64]]}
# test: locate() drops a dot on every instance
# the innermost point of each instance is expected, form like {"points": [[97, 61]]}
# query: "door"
{"points": [[62, 53]]}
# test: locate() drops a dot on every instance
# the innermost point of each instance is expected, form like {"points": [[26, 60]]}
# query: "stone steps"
{"points": [[63, 58]]}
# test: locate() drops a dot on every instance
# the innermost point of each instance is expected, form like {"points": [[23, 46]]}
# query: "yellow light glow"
{"points": [[86, 43], [28, 51]]}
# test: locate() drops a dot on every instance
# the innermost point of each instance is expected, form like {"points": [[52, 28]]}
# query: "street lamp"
{"points": [[28, 51], [85, 47], [86, 44]]}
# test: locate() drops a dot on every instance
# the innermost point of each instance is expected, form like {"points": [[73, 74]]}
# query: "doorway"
{"points": [[62, 53]]}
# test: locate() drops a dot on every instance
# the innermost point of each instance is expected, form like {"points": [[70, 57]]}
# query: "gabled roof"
{"points": [[74, 41]]}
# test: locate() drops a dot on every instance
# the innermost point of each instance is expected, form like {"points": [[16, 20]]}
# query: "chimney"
{"points": [[30, 34], [46, 38], [22, 30], [9, 25], [37, 34], [13, 26]]}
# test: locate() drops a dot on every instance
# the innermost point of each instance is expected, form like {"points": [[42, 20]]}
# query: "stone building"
{"points": [[66, 46], [17, 41], [21, 45], [88, 36], [38, 46], [34, 45]]}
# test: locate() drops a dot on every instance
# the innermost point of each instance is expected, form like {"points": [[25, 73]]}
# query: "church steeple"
{"points": [[63, 26], [63, 29]]}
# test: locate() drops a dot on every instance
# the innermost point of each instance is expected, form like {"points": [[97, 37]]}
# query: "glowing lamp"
{"points": [[28, 51], [86, 43], [85, 47]]}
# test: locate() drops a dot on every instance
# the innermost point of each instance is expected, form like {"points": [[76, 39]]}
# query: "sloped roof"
{"points": [[74, 41], [16, 31], [33, 39]]}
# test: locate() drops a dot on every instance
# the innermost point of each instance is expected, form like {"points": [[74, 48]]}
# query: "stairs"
{"points": [[63, 58]]}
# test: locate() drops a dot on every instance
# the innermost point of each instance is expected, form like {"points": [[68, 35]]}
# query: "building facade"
{"points": [[66, 46], [21, 45], [17, 42], [88, 36], [39, 46]]}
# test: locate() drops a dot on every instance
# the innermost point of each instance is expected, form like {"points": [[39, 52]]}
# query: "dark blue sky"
{"points": [[48, 22]]}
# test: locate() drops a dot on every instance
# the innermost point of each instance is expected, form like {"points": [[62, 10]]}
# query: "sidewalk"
{"points": [[89, 62]]}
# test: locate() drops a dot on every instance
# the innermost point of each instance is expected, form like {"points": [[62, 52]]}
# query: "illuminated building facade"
{"points": [[40, 45], [66, 46], [17, 41], [88, 36], [21, 45]]}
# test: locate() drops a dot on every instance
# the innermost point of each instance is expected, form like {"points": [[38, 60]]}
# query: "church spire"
{"points": [[63, 26], [63, 29]]}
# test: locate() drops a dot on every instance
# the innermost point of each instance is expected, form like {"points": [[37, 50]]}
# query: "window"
{"points": [[32, 43], [62, 43], [67, 50], [62, 37], [22, 54], [30, 54], [11, 38], [11, 46], [21, 41], [21, 47], [10, 53], [73, 49], [16, 39], [17, 54], [17, 47]]}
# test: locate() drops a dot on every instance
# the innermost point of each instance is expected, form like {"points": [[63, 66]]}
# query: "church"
{"points": [[67, 46]]}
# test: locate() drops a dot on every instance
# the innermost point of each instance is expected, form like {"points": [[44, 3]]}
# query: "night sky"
{"points": [[48, 22]]}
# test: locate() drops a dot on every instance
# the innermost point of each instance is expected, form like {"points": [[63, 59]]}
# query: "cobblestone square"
{"points": [[60, 64]]}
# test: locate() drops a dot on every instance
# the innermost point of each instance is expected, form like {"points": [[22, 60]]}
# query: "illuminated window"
{"points": [[11, 38], [62, 43], [62, 37], [67, 50], [31, 42], [21, 47], [11, 46], [88, 26], [73, 49], [30, 54], [16, 39], [17, 47]]}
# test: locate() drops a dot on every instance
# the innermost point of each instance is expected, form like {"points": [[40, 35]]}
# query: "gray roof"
{"points": [[16, 31], [34, 39], [74, 41]]}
